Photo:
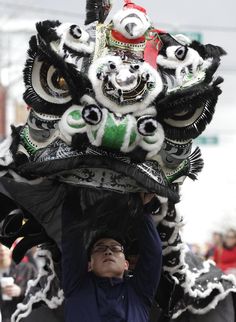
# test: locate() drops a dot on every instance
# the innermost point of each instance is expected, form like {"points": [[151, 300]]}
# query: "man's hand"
{"points": [[146, 197], [12, 290]]}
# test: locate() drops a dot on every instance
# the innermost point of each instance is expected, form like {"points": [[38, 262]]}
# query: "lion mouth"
{"points": [[128, 80]]}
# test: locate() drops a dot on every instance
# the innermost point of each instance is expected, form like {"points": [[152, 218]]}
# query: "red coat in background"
{"points": [[225, 258]]}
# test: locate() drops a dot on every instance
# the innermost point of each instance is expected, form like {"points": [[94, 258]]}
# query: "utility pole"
{"points": [[2, 112], [2, 99]]}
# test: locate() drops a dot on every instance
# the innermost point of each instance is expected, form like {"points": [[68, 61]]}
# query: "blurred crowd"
{"points": [[221, 249], [13, 280], [13, 286]]}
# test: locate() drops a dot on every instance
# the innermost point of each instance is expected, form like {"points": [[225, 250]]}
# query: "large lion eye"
{"points": [[47, 91], [181, 52], [50, 84]]}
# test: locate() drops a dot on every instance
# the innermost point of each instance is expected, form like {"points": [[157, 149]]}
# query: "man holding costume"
{"points": [[94, 280]]}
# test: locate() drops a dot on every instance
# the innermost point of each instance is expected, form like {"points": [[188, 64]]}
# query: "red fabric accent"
{"points": [[150, 53], [153, 47], [225, 258], [130, 5], [25, 259], [118, 36]]}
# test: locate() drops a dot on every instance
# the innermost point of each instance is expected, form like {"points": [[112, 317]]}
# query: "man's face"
{"points": [[108, 259]]}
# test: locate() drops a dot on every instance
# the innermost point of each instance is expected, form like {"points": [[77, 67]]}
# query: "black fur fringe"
{"points": [[32, 53], [207, 104], [15, 134], [208, 51], [196, 163], [46, 29], [190, 167]]}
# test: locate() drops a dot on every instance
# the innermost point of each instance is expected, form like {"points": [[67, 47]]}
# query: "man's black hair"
{"points": [[107, 235]]}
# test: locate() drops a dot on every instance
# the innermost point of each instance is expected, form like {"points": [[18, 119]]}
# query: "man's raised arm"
{"points": [[74, 255], [148, 268]]}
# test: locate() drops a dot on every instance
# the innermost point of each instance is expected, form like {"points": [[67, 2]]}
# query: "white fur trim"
{"points": [[5, 153], [172, 238], [170, 249], [191, 277], [87, 100], [23, 310], [84, 45], [81, 45], [153, 143], [209, 307], [66, 123], [192, 59], [164, 208], [170, 224], [183, 39], [100, 128], [131, 126], [176, 268], [150, 111]]}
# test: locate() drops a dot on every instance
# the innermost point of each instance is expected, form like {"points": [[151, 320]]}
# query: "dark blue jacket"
{"points": [[89, 298]]}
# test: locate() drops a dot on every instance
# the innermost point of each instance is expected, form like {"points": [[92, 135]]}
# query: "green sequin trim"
{"points": [[180, 171], [30, 147]]}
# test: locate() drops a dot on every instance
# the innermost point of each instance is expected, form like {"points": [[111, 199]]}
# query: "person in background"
{"points": [[196, 249], [225, 257], [12, 293], [216, 243]]}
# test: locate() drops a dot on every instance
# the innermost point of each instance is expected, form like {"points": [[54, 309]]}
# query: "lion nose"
{"points": [[125, 78]]}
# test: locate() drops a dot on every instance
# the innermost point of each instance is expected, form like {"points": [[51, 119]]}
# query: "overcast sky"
{"points": [[208, 12]]}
